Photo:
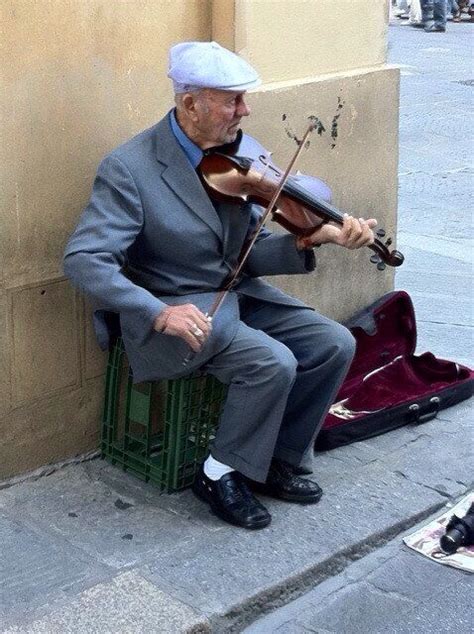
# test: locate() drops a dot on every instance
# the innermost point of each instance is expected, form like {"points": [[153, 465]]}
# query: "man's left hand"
{"points": [[352, 234]]}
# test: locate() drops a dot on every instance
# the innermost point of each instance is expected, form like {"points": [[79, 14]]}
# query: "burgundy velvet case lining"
{"points": [[385, 372]]}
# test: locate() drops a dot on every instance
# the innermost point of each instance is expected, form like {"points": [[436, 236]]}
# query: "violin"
{"points": [[243, 171]]}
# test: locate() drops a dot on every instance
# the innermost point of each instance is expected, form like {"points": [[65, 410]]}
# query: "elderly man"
{"points": [[152, 247]]}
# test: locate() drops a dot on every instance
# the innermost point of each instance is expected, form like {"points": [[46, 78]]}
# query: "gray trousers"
{"points": [[284, 368], [434, 10]]}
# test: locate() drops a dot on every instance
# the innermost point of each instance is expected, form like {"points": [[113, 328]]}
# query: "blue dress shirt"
{"points": [[193, 152]]}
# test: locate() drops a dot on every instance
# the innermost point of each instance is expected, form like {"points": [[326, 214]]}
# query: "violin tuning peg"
{"points": [[375, 259], [381, 266], [388, 242], [380, 233]]}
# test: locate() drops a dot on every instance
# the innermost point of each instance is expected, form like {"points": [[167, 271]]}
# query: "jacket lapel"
{"points": [[182, 179], [235, 223]]}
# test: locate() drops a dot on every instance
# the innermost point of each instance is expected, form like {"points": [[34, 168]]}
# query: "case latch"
{"points": [[419, 418]]}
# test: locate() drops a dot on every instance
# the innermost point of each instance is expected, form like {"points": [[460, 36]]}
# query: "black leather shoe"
{"points": [[284, 484], [231, 500]]}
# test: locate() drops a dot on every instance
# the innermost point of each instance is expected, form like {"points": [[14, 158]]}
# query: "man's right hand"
{"points": [[185, 321]]}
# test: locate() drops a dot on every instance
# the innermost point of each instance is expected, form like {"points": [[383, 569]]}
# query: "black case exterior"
{"points": [[408, 411]]}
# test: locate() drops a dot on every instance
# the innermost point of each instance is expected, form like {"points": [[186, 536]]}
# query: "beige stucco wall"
{"points": [[292, 39], [79, 77]]}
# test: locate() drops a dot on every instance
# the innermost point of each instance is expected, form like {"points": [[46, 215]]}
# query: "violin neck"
{"points": [[294, 189]]}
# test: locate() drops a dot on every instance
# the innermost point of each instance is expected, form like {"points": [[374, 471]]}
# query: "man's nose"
{"points": [[243, 109]]}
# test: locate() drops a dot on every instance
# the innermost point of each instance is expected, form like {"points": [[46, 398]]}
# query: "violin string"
{"points": [[305, 196]]}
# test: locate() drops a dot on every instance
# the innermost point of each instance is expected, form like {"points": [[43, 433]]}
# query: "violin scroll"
{"points": [[382, 256]]}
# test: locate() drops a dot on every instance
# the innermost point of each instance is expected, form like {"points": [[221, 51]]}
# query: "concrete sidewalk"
{"points": [[90, 549]]}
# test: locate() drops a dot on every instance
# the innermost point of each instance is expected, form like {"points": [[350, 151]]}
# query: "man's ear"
{"points": [[189, 103]]}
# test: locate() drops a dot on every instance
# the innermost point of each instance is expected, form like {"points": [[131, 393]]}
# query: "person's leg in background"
{"points": [[426, 11], [401, 9], [434, 15], [452, 10], [439, 13], [416, 18]]}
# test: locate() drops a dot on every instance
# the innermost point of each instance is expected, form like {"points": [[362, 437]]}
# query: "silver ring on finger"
{"points": [[196, 331]]}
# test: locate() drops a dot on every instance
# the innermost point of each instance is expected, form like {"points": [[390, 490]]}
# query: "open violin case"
{"points": [[387, 385]]}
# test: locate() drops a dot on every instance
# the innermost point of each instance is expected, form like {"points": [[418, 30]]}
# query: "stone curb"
{"points": [[241, 615]]}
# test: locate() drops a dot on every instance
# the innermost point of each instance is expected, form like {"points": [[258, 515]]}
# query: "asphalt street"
{"points": [[394, 590]]}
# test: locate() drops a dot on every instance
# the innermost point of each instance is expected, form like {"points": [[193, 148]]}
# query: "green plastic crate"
{"points": [[158, 431]]}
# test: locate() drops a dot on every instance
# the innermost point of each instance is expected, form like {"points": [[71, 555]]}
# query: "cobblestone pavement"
{"points": [[394, 590]]}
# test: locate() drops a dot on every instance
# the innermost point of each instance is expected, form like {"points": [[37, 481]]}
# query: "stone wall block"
{"points": [[297, 39], [57, 428], [5, 377], [44, 330], [356, 155], [78, 78], [95, 360]]}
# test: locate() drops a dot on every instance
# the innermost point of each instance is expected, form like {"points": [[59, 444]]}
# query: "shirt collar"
{"points": [[193, 152]]}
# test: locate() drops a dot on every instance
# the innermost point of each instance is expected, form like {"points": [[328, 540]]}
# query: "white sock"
{"points": [[215, 469]]}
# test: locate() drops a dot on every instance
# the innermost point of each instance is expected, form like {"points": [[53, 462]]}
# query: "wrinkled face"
{"points": [[218, 114]]}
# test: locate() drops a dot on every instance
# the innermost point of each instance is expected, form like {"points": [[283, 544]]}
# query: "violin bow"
{"points": [[222, 293]]}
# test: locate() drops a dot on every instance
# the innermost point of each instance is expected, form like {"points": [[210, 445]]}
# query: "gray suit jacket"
{"points": [[150, 236]]}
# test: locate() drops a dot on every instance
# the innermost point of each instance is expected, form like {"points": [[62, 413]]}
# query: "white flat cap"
{"points": [[194, 65]]}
